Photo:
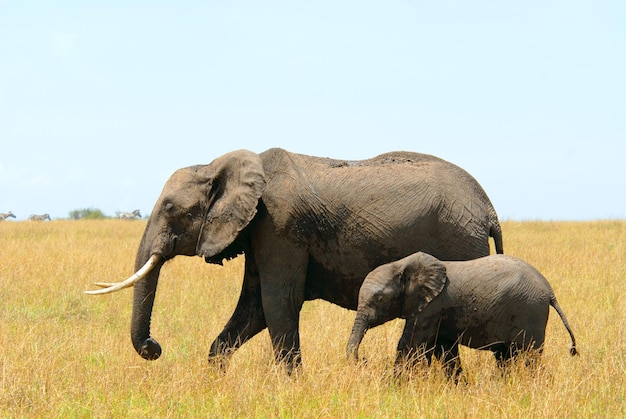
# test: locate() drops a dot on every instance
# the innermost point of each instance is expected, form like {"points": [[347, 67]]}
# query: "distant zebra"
{"points": [[5, 215], [129, 215], [42, 217]]}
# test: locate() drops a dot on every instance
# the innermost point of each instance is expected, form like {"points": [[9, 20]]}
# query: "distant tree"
{"points": [[87, 214]]}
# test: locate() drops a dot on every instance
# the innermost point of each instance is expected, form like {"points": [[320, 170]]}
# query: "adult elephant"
{"points": [[309, 227]]}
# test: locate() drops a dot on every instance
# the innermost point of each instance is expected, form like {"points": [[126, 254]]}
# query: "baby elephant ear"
{"points": [[238, 184], [425, 278]]}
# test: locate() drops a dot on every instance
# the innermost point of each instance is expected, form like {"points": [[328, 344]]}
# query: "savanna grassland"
{"points": [[66, 354]]}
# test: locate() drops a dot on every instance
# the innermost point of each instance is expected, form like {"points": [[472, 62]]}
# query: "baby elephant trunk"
{"points": [[361, 324]]}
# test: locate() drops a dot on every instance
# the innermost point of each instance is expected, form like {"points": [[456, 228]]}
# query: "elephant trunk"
{"points": [[361, 324], [143, 301]]}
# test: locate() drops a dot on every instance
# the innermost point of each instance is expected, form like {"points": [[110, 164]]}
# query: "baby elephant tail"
{"points": [[573, 351]]}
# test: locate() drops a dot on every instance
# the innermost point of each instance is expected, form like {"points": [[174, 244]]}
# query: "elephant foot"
{"points": [[361, 361], [150, 349], [220, 353], [455, 373], [219, 362], [291, 360]]}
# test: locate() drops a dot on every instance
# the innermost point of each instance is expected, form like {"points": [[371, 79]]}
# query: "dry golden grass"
{"points": [[65, 354]]}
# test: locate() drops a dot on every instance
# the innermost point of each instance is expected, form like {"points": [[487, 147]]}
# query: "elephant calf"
{"points": [[497, 302]]}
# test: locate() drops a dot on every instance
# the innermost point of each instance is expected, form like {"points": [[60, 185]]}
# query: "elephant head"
{"points": [[398, 289], [201, 211]]}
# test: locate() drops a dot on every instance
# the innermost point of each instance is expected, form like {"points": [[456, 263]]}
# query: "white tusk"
{"points": [[137, 276]]}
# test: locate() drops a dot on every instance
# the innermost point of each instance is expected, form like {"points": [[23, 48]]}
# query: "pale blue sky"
{"points": [[100, 103]]}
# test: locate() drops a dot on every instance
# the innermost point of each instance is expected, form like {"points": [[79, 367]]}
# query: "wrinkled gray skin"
{"points": [[309, 228], [496, 303]]}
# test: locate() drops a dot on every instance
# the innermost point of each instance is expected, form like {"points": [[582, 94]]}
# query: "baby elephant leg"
{"points": [[409, 351], [509, 354], [448, 354]]}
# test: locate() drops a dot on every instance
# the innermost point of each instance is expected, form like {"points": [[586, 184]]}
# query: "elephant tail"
{"points": [[554, 303], [495, 231]]}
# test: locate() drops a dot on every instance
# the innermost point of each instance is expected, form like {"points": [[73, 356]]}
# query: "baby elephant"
{"points": [[497, 302]]}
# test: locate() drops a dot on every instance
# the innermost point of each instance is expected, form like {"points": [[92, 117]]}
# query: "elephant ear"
{"points": [[238, 183], [425, 278]]}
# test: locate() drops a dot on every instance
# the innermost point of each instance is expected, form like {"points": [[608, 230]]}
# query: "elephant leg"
{"points": [[509, 355], [283, 323], [282, 302], [448, 354], [531, 347], [502, 354], [525, 346], [247, 320], [283, 269], [410, 349]]}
